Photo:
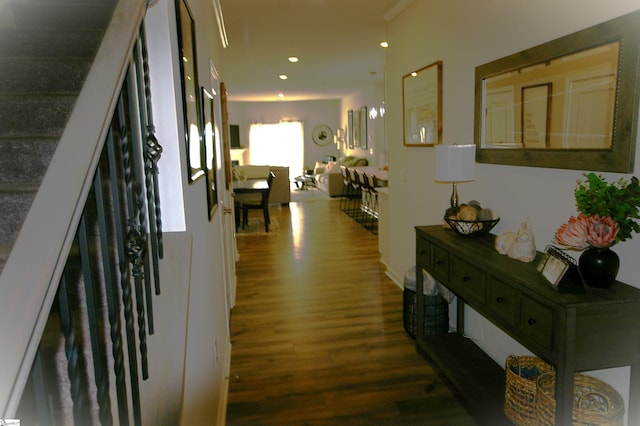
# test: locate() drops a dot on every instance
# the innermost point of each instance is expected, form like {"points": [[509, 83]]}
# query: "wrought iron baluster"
{"points": [[133, 231], [93, 312], [137, 164], [39, 382], [153, 153], [116, 170], [74, 370], [113, 306]]}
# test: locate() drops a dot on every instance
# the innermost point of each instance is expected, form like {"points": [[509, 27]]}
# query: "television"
{"points": [[234, 135]]}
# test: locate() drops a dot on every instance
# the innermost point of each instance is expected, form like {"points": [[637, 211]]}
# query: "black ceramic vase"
{"points": [[599, 266]]}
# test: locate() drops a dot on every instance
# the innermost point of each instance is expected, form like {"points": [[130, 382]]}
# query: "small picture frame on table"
{"points": [[560, 271]]}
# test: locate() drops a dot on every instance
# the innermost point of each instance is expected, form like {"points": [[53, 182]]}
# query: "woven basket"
{"points": [[594, 402], [520, 388]]}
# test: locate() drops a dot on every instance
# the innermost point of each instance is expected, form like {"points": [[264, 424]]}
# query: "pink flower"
{"points": [[573, 235], [601, 231]]}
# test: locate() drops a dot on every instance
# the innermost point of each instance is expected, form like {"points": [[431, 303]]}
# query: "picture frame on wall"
{"points": [[190, 91], [350, 135], [209, 150], [364, 135], [356, 128], [422, 106]]}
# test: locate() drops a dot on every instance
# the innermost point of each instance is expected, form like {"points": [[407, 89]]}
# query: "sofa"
{"points": [[329, 176], [280, 187]]}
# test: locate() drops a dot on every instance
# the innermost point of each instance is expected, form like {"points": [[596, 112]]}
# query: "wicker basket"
{"points": [[436, 313], [520, 388], [594, 402]]}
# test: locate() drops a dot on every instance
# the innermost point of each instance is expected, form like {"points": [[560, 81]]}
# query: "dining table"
{"points": [[248, 186]]}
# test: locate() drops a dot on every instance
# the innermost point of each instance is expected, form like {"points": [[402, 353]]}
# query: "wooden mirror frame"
{"points": [[620, 158]]}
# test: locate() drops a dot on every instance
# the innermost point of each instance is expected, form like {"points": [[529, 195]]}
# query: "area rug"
{"points": [[309, 194], [256, 227]]}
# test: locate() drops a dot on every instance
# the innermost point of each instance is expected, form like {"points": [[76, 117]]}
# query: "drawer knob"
{"points": [[422, 252], [532, 321], [466, 278], [499, 299], [439, 262]]}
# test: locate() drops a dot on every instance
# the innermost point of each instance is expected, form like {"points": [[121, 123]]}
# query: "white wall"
{"points": [[333, 113], [185, 208], [465, 34], [375, 128], [311, 113]]}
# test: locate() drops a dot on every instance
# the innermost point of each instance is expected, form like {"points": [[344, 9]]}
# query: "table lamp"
{"points": [[455, 163]]}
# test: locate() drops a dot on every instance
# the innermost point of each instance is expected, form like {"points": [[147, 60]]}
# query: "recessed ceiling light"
{"points": [[293, 59], [384, 44], [283, 76], [281, 95]]}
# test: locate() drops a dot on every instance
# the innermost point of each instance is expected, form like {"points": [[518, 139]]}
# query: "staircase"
{"points": [[46, 50], [80, 229]]}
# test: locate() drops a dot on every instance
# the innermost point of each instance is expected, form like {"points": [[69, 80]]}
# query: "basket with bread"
{"points": [[470, 219]]}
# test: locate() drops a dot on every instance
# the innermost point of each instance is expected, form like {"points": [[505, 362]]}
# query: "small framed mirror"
{"points": [[422, 106], [570, 103]]}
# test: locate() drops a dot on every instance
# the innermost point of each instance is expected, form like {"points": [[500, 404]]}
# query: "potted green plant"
{"points": [[608, 214]]}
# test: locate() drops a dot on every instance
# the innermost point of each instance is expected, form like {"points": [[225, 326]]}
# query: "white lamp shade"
{"points": [[455, 163]]}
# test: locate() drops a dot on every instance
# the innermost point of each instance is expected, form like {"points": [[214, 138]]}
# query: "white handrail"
{"points": [[30, 277]]}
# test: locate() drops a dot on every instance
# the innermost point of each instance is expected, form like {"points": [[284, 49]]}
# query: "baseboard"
{"points": [[224, 395], [395, 278]]}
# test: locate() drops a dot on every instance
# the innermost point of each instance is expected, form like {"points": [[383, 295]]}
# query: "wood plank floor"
{"points": [[317, 331]]}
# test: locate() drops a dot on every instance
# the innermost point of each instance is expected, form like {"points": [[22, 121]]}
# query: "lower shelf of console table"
{"points": [[477, 379], [574, 332]]}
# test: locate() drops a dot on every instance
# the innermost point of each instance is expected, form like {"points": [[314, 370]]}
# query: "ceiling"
{"points": [[337, 42]]}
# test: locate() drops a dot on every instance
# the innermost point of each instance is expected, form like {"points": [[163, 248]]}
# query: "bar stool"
{"points": [[356, 192], [366, 197], [346, 189], [373, 201]]}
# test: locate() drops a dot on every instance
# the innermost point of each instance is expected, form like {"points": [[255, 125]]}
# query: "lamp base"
{"points": [[454, 201]]}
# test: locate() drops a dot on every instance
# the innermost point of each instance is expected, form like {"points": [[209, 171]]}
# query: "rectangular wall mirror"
{"points": [[570, 103]]}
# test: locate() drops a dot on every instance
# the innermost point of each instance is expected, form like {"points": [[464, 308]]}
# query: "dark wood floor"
{"points": [[317, 331]]}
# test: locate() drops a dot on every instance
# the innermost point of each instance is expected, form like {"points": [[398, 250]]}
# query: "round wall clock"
{"points": [[322, 135]]}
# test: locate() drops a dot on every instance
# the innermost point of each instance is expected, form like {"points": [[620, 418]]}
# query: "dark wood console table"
{"points": [[574, 332]]}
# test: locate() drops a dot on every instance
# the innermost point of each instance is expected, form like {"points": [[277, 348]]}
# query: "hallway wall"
{"points": [[465, 34]]}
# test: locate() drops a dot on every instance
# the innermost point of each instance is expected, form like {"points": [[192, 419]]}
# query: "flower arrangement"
{"points": [[608, 214]]}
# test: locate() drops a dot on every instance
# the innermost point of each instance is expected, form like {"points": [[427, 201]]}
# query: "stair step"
{"points": [[24, 161], [14, 207], [48, 43], [34, 116], [22, 75], [61, 15], [4, 255]]}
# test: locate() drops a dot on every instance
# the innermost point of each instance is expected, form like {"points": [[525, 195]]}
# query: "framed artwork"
{"points": [[363, 127], [356, 128], [190, 96], [536, 105], [209, 151], [350, 135], [422, 106]]}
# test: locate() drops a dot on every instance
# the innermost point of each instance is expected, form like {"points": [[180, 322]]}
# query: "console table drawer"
{"points": [[440, 268], [503, 301], [423, 252], [469, 281], [537, 322]]}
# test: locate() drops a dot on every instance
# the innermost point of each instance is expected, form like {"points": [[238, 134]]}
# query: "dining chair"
{"points": [[257, 202]]}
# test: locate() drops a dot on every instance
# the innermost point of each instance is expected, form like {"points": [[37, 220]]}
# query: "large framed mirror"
{"points": [[570, 103]]}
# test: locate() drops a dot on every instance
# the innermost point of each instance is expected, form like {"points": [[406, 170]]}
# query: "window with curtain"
{"points": [[279, 144]]}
